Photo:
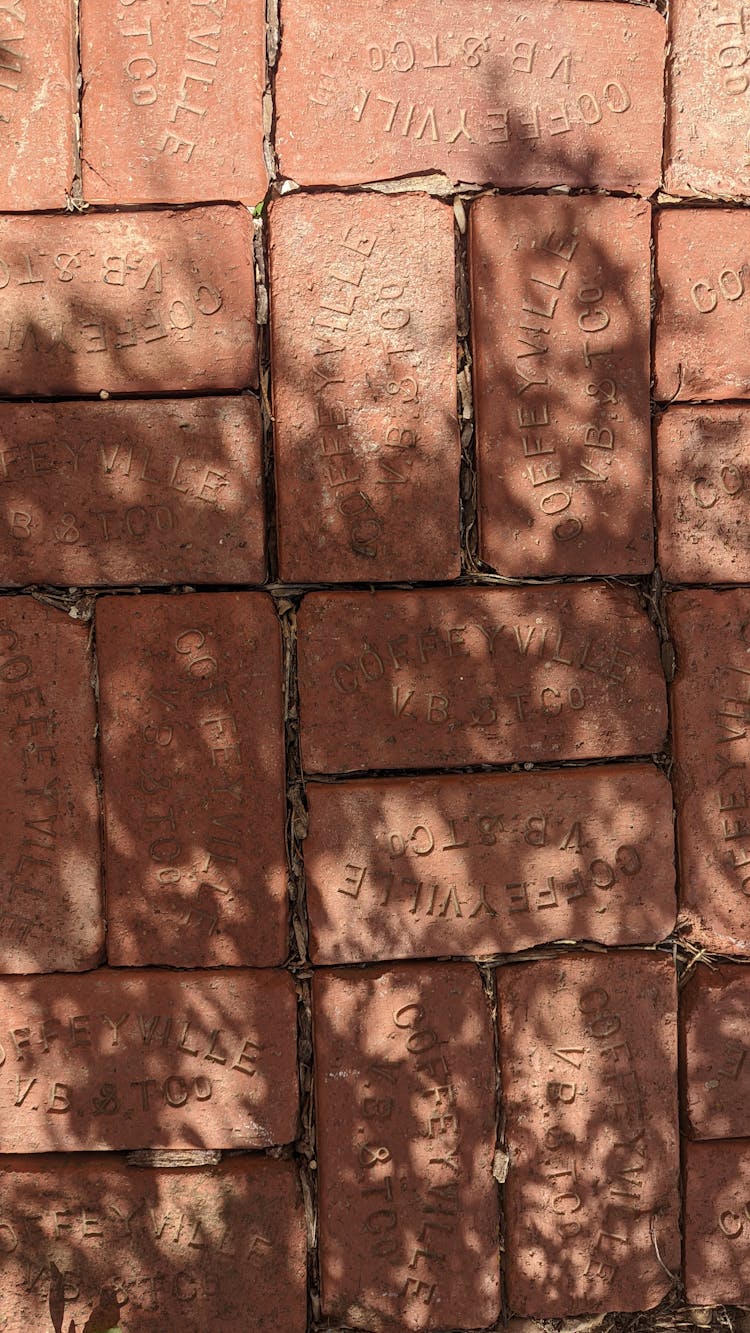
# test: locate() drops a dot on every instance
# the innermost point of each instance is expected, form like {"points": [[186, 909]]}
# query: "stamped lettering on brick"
{"points": [[588, 1060], [717, 1222], [715, 1013], [37, 104]]}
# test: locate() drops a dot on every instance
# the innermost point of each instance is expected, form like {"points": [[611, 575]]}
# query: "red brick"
{"points": [[127, 303], [172, 101], [562, 401], [405, 1089], [169, 1059], [707, 143], [703, 494], [193, 767], [122, 492], [717, 1224], [181, 1248], [37, 104], [569, 94], [488, 863], [364, 359], [51, 916], [445, 677], [588, 1062], [715, 1013], [710, 715], [701, 344]]}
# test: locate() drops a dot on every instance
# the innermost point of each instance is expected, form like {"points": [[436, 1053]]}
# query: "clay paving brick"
{"points": [[715, 1013], [193, 768], [175, 1248], [588, 1062], [172, 102], [560, 299], [701, 339], [707, 140], [703, 494], [129, 303], [571, 93], [717, 1223], [51, 915], [405, 1090], [169, 1059], [37, 104], [364, 360], [442, 677], [710, 717], [488, 863], [122, 492]]}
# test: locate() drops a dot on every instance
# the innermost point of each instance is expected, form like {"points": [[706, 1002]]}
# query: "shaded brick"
{"points": [[588, 1061], [715, 1019], [193, 766], [405, 1091], [571, 94], [172, 102], [703, 494], [38, 104], [488, 863], [51, 913], [445, 677], [364, 374], [127, 303], [169, 1059], [717, 1224], [127, 492], [180, 1248], [710, 716], [560, 300]]}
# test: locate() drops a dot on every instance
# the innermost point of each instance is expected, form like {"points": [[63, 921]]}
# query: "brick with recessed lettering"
{"points": [[703, 307], [38, 104], [193, 773], [703, 494], [405, 1091], [568, 94], [588, 1062], [710, 714], [561, 293], [127, 492], [489, 863], [51, 911], [717, 1223], [367, 448], [714, 1015], [124, 1059], [177, 1248], [172, 108], [441, 677], [127, 303]]}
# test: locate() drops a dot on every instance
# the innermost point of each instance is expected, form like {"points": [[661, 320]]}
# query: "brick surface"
{"points": [[51, 915], [364, 375], [130, 303], [717, 1223], [193, 767], [715, 1015], [710, 715], [703, 494], [176, 1248], [169, 1059], [442, 677], [405, 1093], [588, 1064], [701, 339], [707, 140], [562, 404], [172, 102], [127, 492], [488, 863], [37, 104], [568, 94]]}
